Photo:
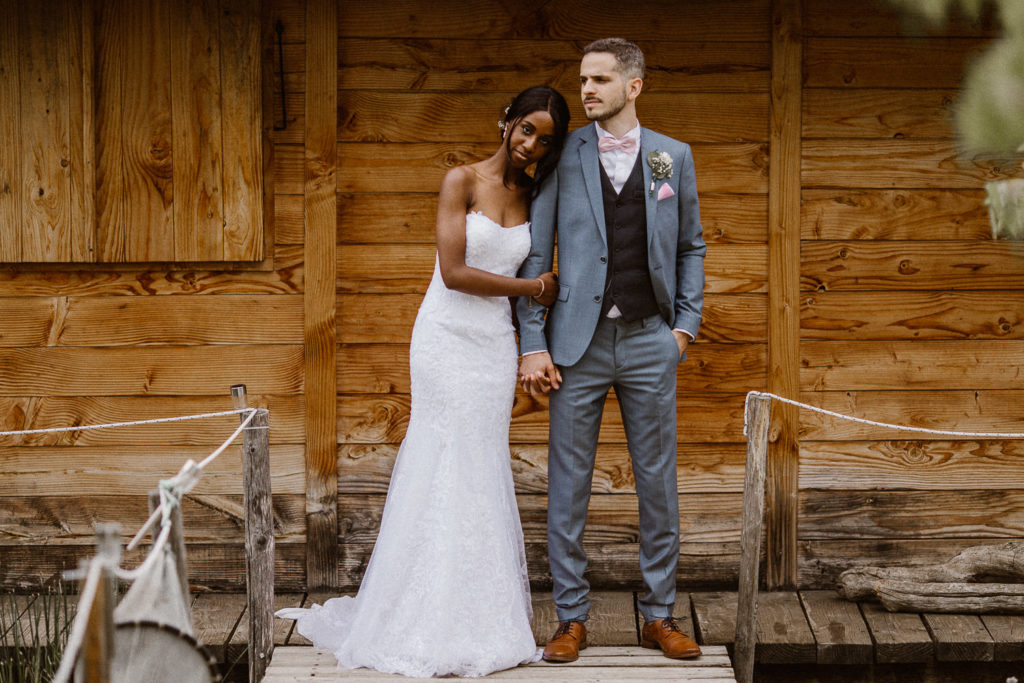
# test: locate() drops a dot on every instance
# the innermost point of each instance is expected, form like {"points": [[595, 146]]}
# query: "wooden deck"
{"points": [[595, 664], [812, 628]]}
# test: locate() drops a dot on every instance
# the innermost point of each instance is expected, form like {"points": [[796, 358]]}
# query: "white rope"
{"points": [[128, 424], [151, 557], [172, 490], [873, 423]]}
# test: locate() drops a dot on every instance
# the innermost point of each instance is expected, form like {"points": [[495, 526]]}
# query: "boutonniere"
{"points": [[661, 167]]}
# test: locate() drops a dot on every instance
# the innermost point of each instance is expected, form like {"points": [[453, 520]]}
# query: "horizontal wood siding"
{"points": [[94, 344], [910, 312], [420, 93]]}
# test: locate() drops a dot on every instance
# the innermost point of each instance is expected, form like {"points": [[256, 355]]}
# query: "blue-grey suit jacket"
{"points": [[570, 205]]}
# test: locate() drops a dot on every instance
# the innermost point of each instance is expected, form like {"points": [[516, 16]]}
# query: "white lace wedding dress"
{"points": [[446, 589]]}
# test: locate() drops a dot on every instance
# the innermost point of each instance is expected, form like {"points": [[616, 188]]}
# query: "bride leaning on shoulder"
{"points": [[446, 590]]}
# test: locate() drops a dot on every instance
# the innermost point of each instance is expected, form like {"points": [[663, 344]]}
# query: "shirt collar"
{"points": [[633, 132]]}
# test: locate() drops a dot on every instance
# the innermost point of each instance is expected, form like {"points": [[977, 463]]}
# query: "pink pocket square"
{"points": [[665, 192]]}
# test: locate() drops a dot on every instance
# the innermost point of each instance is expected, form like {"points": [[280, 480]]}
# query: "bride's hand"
{"points": [[550, 290]]}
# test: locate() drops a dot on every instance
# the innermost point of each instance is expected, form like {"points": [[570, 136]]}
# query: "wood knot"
{"points": [[907, 268]]}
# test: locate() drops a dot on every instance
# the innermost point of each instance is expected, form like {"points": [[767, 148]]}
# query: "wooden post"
{"points": [[319, 325], [177, 541], [97, 650], [756, 425], [784, 292], [259, 536]]}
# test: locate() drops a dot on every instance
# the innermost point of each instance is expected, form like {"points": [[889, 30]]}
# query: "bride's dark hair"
{"points": [[540, 98]]}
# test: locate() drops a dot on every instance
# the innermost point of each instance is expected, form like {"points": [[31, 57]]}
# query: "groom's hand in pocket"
{"points": [[538, 374]]}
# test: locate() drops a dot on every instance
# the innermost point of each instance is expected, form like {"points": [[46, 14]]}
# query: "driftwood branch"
{"points": [[981, 580], [979, 563], [972, 598]]}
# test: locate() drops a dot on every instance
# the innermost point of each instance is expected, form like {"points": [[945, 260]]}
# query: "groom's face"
{"points": [[602, 86]]}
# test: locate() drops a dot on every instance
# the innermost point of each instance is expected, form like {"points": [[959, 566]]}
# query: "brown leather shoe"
{"points": [[664, 635], [565, 645]]}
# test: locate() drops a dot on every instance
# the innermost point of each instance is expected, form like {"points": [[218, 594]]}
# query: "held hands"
{"points": [[549, 290], [538, 374]]}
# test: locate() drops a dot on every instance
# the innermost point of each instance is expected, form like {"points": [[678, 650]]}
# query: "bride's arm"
{"points": [[453, 203]]}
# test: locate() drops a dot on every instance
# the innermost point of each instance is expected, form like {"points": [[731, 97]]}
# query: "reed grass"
{"points": [[33, 632]]}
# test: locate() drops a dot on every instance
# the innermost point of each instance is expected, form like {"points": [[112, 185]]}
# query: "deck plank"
{"points": [[715, 616], [683, 612], [282, 627], [293, 664], [783, 635], [900, 637], [1007, 631], [960, 638], [840, 631], [215, 616]]}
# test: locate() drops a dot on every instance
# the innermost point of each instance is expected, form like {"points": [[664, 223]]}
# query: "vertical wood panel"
{"points": [[82, 135], [241, 102], [783, 292], [147, 133], [109, 88], [45, 186], [320, 337], [196, 126], [10, 129]]}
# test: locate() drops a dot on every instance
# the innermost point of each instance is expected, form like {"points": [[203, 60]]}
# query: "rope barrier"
{"points": [[185, 480], [873, 423], [128, 424]]}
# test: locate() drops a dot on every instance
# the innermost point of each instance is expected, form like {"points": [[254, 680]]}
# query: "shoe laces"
{"points": [[670, 624], [563, 628]]}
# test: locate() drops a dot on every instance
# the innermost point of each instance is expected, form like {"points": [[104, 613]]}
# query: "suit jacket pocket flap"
{"points": [[563, 292]]}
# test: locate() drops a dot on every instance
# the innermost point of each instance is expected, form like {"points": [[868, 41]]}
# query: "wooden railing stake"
{"points": [[756, 424], [97, 651], [259, 536]]}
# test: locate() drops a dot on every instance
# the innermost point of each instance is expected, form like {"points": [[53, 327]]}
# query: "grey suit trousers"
{"points": [[639, 359]]}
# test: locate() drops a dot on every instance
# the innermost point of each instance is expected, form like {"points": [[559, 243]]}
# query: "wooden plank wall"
{"points": [[910, 313], [129, 132], [91, 344], [422, 91]]}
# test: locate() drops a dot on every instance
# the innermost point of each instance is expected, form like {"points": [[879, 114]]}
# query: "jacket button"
{"points": [[604, 260], [597, 299]]}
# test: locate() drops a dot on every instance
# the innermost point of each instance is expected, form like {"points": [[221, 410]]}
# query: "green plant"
{"points": [[990, 107], [33, 631]]}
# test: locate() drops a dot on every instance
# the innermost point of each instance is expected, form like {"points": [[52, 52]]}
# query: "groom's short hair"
{"points": [[628, 56]]}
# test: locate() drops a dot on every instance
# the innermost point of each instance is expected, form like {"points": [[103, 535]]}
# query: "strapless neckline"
{"points": [[496, 223]]}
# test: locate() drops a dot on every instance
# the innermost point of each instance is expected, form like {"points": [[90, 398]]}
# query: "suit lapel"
{"points": [[592, 178], [650, 203]]}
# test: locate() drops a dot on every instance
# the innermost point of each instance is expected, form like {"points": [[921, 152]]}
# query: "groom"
{"points": [[623, 207]]}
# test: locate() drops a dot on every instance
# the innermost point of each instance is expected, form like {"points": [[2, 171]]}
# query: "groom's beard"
{"points": [[613, 108]]}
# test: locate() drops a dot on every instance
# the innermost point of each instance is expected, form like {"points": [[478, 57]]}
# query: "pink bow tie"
{"points": [[607, 144]]}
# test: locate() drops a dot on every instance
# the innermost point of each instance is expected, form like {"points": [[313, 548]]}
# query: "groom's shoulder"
{"points": [[664, 140], [580, 133]]}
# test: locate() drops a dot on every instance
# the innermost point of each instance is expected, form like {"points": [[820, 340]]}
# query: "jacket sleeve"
{"points": [[690, 250], [543, 213]]}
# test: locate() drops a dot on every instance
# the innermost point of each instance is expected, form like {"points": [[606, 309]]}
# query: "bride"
{"points": [[446, 589]]}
